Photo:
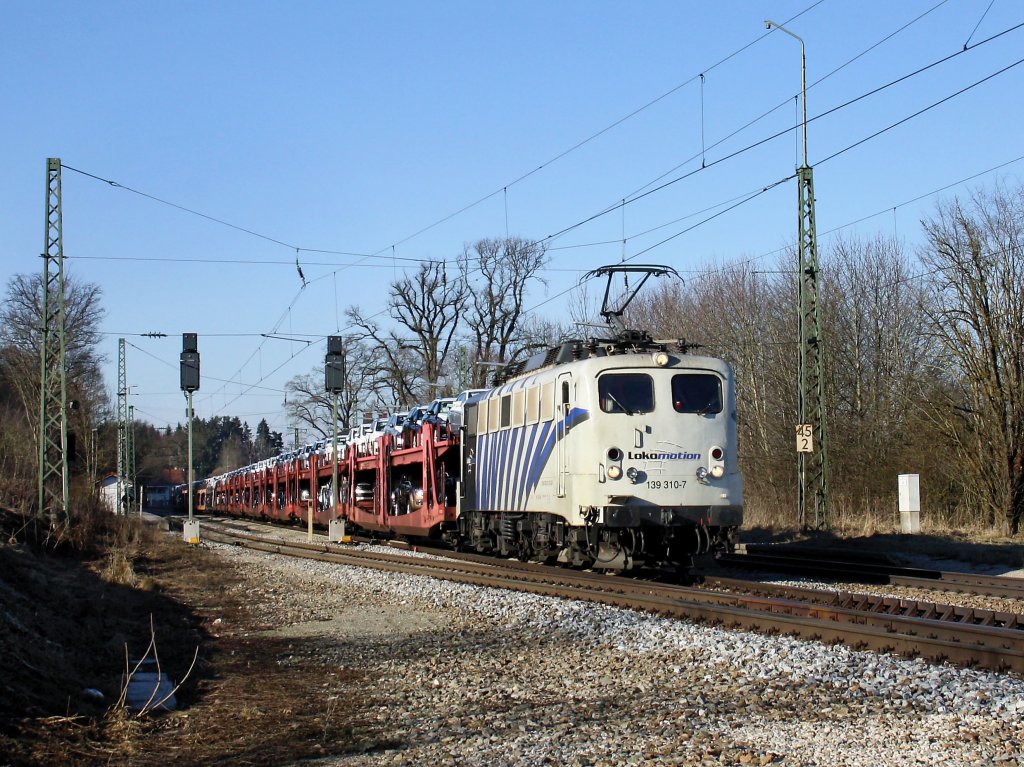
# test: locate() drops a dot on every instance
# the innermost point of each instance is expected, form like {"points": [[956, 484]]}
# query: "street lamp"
{"points": [[768, 24]]}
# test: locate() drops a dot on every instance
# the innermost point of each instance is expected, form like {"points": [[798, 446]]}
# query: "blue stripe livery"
{"points": [[511, 462]]}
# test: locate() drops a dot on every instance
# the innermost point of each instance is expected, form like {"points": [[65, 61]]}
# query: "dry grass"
{"points": [[118, 569], [859, 516], [876, 525]]}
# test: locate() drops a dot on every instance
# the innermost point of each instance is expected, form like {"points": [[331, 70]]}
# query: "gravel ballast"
{"points": [[464, 675]]}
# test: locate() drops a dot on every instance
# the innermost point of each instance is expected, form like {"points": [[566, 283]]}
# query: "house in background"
{"points": [[108, 487]]}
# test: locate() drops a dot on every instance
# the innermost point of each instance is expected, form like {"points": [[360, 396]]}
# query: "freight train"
{"points": [[611, 453]]}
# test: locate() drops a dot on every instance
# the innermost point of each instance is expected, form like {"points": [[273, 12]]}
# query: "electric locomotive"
{"points": [[609, 453]]}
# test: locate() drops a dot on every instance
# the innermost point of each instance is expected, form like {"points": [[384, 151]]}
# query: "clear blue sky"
{"points": [[352, 127]]}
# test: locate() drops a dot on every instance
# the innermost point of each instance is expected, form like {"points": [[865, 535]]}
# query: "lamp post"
{"points": [[812, 439], [769, 24]]}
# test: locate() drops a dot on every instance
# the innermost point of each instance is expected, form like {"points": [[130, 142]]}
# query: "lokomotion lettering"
{"points": [[645, 456]]}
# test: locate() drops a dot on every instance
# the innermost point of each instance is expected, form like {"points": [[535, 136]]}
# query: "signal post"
{"points": [[189, 384], [334, 383]]}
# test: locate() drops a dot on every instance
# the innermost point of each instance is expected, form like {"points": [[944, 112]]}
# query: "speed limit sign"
{"points": [[805, 438]]}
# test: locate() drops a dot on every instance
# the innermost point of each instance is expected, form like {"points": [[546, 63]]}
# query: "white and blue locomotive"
{"points": [[608, 453]]}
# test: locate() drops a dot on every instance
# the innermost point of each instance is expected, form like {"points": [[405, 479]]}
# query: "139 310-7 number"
{"points": [[667, 484]]}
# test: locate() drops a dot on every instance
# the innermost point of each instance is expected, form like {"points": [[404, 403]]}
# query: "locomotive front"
{"points": [[654, 467], [617, 456]]}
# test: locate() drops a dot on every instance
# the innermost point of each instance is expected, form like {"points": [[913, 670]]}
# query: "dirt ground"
{"points": [[70, 618]]}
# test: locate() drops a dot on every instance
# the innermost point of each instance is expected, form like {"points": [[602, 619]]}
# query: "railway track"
{"points": [[915, 629], [877, 571]]}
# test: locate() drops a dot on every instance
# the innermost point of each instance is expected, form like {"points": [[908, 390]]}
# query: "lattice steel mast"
{"points": [[53, 397], [813, 465], [812, 460]]}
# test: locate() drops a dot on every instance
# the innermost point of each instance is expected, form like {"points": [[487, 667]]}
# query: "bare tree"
{"points": [[877, 361], [309, 403], [497, 274], [584, 306], [411, 358], [20, 339], [975, 268], [306, 402]]}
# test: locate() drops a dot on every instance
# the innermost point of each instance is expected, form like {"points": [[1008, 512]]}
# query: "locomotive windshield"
{"points": [[697, 393], [627, 393]]}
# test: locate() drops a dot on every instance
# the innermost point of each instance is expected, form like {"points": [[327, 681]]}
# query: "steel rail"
{"points": [[881, 573], [890, 605], [850, 600]]}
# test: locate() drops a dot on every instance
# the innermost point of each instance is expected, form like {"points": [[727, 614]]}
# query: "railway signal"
{"points": [[189, 384], [189, 362], [334, 365], [334, 383]]}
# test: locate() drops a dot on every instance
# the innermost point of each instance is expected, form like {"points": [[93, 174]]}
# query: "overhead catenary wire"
{"points": [[857, 143], [629, 199], [174, 366], [700, 271], [928, 108], [837, 228], [634, 196], [967, 42], [503, 189], [639, 195], [848, 147], [781, 104]]}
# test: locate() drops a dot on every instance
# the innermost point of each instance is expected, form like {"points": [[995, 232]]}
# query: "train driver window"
{"points": [[698, 393], [628, 393], [481, 424]]}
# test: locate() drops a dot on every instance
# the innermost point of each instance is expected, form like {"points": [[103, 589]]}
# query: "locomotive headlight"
{"points": [[661, 359], [633, 474], [716, 464], [614, 472], [702, 473]]}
